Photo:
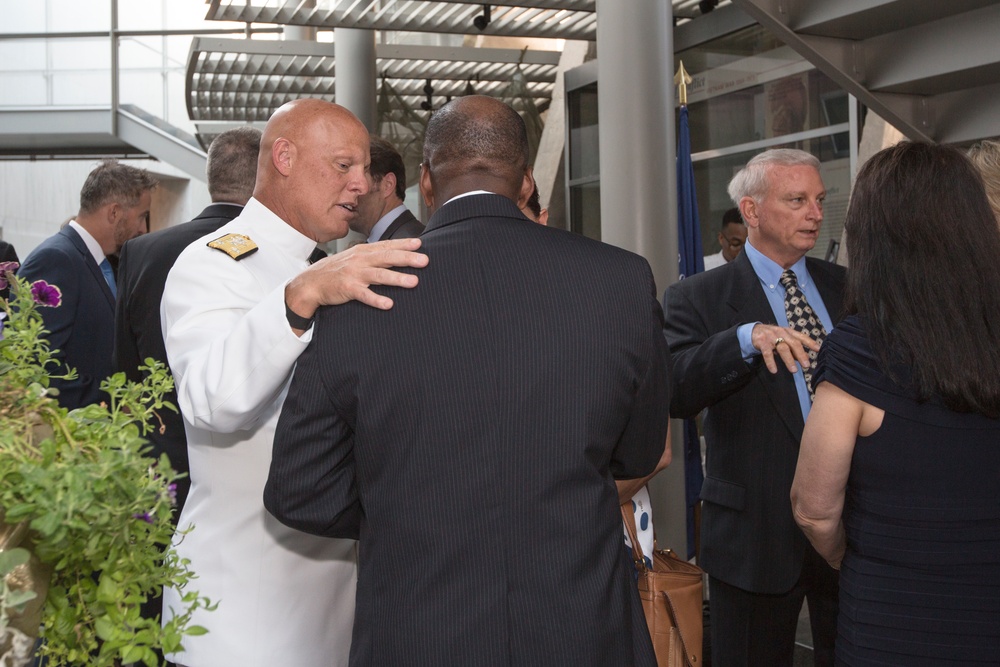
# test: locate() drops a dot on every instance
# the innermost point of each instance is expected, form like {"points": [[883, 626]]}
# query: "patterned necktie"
{"points": [[317, 255], [109, 276], [802, 318]]}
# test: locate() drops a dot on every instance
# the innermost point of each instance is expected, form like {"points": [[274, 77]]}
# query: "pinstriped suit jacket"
{"points": [[472, 433], [753, 425]]}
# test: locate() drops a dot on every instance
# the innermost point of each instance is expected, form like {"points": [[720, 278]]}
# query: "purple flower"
{"points": [[5, 268], [45, 294], [172, 494], [144, 516]]}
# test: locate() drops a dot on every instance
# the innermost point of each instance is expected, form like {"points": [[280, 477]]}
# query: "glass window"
{"points": [[585, 204], [76, 15], [584, 147]]}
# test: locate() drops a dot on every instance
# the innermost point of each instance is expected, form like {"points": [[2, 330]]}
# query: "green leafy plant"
{"points": [[97, 506]]}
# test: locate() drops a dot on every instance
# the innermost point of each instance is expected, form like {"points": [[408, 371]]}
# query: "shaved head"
{"points": [[476, 143], [312, 167]]}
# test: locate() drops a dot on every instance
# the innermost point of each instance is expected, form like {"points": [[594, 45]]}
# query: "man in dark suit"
{"points": [[736, 353], [142, 271], [476, 429], [381, 213], [114, 207]]}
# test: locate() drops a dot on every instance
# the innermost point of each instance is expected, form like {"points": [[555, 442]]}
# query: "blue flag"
{"points": [[692, 261]]}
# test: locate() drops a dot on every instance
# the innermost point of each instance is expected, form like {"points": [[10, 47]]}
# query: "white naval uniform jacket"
{"points": [[285, 598]]}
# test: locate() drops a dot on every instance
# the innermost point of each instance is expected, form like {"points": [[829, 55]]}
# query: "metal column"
{"points": [[635, 63], [354, 51]]}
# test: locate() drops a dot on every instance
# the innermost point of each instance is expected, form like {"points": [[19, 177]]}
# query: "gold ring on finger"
{"points": [[779, 340]]}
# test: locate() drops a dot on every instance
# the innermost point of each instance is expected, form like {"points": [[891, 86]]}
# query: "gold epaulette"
{"points": [[237, 246]]}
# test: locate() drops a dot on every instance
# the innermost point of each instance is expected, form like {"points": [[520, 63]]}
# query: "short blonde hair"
{"points": [[986, 156]]}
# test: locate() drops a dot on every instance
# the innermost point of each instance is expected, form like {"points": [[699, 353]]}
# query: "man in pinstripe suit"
{"points": [[474, 432]]}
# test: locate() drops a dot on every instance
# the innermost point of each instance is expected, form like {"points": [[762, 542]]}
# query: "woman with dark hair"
{"points": [[898, 477]]}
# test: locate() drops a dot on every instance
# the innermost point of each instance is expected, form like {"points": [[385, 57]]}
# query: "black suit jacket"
{"points": [[82, 328], [477, 425], [752, 427], [405, 226], [142, 271]]}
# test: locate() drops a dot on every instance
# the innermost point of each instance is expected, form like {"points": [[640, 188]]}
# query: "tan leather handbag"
{"points": [[671, 595]]}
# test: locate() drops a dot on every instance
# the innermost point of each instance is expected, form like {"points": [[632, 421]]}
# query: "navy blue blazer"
{"points": [[82, 329], [753, 425]]}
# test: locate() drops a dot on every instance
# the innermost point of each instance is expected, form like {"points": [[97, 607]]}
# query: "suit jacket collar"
{"points": [[404, 217], [220, 210], [474, 206], [88, 260], [746, 298]]}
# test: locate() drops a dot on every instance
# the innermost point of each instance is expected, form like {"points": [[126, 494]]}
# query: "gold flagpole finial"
{"points": [[681, 80]]}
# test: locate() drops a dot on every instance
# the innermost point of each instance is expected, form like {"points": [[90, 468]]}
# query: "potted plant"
{"points": [[85, 512]]}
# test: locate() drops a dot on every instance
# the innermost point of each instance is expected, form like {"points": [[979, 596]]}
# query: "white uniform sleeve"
{"points": [[229, 345]]}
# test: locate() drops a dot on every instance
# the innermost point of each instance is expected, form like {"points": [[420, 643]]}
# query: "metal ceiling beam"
{"points": [[861, 19], [572, 5], [909, 60], [522, 20], [234, 81], [914, 76]]}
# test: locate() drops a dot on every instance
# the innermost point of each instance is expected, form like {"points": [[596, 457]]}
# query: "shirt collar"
{"points": [[468, 194], [278, 231], [769, 272], [384, 222], [92, 245]]}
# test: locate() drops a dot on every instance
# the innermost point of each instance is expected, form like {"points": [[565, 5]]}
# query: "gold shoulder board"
{"points": [[237, 246]]}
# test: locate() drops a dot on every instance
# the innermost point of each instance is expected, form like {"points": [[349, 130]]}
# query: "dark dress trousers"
{"points": [[405, 226], [474, 431], [752, 427], [82, 328], [142, 270]]}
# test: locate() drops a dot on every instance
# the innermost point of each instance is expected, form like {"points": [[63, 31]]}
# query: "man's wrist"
{"points": [[296, 321]]}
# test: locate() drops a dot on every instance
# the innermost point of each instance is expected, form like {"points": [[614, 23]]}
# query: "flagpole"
{"points": [[691, 261]]}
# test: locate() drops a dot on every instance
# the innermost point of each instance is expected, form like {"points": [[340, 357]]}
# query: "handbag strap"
{"points": [[628, 518]]}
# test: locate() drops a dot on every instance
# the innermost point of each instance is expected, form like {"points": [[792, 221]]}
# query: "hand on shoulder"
{"points": [[348, 276]]}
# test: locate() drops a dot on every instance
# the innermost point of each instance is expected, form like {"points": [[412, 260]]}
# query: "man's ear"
{"points": [[114, 212], [282, 155], [527, 187], [387, 185], [426, 187], [748, 209]]}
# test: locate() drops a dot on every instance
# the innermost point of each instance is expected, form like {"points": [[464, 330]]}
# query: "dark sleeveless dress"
{"points": [[920, 582]]}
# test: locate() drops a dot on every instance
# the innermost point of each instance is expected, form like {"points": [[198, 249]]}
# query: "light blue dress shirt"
{"points": [[769, 274]]}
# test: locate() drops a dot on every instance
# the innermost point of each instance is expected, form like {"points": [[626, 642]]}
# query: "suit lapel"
{"points": [[88, 261], [400, 220], [747, 299], [830, 289]]}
